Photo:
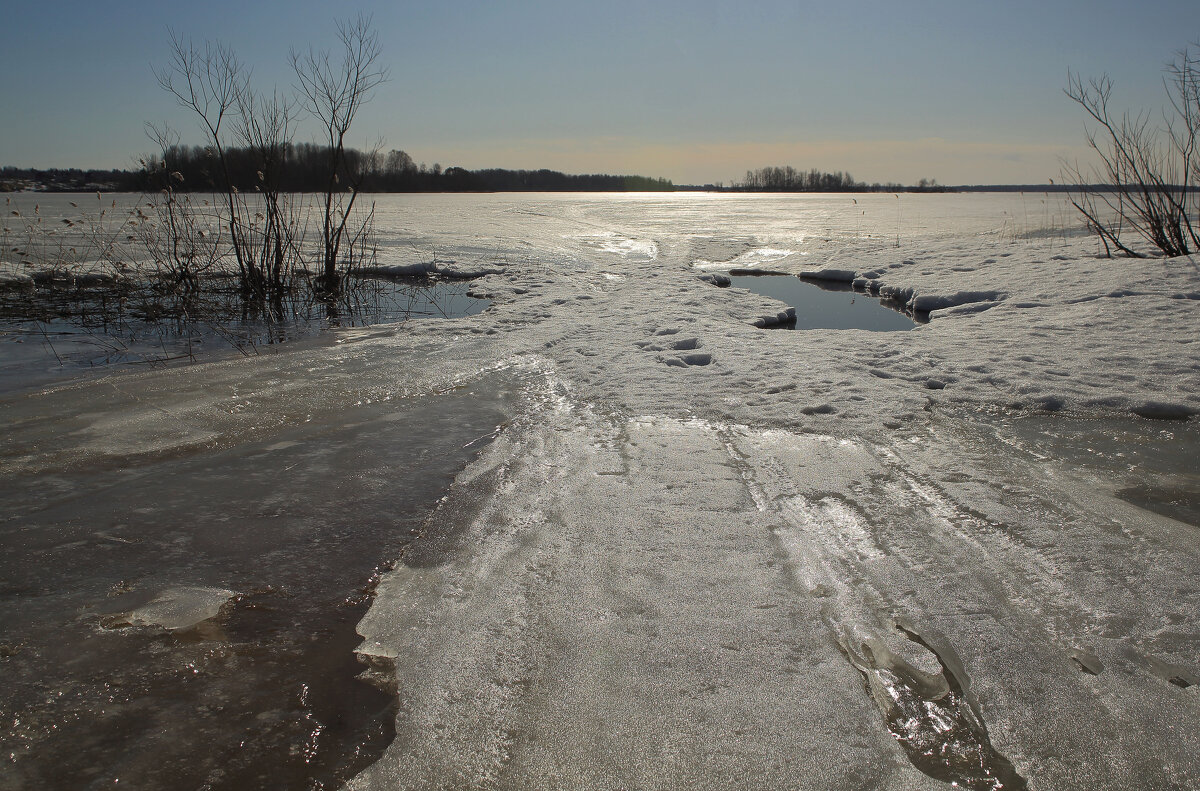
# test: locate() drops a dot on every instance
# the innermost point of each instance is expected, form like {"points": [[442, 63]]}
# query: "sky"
{"points": [[698, 92]]}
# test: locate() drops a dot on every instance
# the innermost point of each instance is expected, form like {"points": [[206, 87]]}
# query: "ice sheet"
{"points": [[664, 573]]}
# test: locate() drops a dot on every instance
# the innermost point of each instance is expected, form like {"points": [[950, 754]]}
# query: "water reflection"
{"points": [[826, 305], [51, 333]]}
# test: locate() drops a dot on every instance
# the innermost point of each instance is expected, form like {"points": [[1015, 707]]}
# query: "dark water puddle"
{"points": [[1175, 502], [86, 329], [265, 694], [933, 721], [401, 299], [826, 305]]}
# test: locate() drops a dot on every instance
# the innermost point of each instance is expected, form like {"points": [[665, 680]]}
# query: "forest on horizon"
{"points": [[303, 167]]}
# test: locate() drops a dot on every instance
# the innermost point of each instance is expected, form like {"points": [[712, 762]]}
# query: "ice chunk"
{"points": [[174, 609]]}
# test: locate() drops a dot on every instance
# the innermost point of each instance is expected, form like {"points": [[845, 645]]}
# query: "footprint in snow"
{"points": [[687, 360]]}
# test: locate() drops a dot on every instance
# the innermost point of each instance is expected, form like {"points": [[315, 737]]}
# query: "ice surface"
{"points": [[650, 578], [591, 622]]}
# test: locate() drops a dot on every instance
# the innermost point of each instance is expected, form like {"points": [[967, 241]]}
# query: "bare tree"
{"points": [[182, 242], [210, 82], [1147, 172], [333, 91], [272, 237], [264, 226]]}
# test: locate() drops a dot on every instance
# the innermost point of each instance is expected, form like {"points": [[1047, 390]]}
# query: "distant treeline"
{"points": [[303, 167], [69, 180], [499, 180], [789, 179]]}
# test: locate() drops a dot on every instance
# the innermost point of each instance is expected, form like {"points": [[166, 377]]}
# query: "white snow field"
{"points": [[710, 555]]}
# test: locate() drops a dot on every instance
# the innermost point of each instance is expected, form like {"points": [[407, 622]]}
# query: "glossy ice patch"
{"points": [[934, 721]]}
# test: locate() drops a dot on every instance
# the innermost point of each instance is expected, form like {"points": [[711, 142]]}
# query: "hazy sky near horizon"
{"points": [[964, 92]]}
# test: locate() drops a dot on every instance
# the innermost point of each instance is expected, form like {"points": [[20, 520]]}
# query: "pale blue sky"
{"points": [[963, 92]]}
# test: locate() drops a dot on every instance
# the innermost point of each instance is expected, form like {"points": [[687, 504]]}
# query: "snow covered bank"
{"points": [[448, 269], [689, 551]]}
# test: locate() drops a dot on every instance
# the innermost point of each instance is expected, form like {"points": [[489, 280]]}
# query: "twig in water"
{"points": [[897, 219], [49, 342]]}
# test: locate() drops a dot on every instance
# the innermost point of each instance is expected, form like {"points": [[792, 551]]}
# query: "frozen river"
{"points": [[610, 533]]}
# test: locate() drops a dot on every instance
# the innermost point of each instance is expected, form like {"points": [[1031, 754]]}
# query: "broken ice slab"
{"points": [[174, 609]]}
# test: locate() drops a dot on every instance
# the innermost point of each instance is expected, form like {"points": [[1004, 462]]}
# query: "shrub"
{"points": [[1145, 178]]}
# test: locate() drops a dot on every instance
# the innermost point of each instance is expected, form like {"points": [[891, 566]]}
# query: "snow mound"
{"points": [[14, 280], [774, 320], [1164, 410], [930, 302], [55, 277], [836, 275]]}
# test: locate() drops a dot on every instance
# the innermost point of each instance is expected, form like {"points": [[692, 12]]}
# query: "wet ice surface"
{"points": [[187, 620], [825, 307], [663, 572], [617, 618]]}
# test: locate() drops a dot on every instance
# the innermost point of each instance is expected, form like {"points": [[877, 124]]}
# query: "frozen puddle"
{"points": [[189, 621], [825, 306], [1150, 464]]}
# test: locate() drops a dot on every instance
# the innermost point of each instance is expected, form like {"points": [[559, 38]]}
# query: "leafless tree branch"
{"points": [[333, 90], [1146, 173]]}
